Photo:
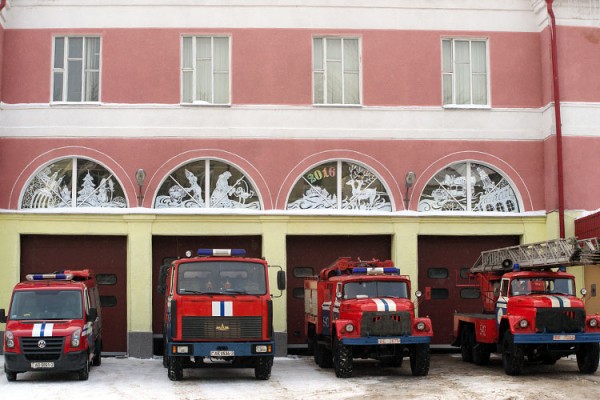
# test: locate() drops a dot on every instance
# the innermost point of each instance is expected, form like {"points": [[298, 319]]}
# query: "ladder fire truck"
{"points": [[530, 307]]}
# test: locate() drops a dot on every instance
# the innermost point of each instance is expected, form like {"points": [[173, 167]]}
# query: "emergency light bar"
{"points": [[376, 271], [222, 252], [41, 277]]}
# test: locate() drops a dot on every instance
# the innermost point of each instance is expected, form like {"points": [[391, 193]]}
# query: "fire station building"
{"points": [[301, 130]]}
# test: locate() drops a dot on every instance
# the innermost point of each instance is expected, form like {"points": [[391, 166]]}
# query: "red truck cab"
{"points": [[53, 324], [362, 309], [218, 312]]}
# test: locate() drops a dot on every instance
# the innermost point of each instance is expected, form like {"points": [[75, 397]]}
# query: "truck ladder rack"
{"points": [[548, 254]]}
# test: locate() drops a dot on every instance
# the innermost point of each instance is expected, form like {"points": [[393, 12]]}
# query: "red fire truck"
{"points": [[530, 308], [53, 324], [362, 309], [218, 312]]}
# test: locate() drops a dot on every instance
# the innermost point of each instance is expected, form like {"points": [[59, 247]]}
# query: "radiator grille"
{"points": [[42, 348], [222, 328], [557, 320], [385, 324]]}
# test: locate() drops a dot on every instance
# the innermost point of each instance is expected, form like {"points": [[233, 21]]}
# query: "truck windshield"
{"points": [[46, 304], [375, 289], [544, 285], [221, 277]]}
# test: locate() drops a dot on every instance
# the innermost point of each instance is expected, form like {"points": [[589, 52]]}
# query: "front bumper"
{"points": [[374, 341], [72, 361], [206, 349], [556, 338]]}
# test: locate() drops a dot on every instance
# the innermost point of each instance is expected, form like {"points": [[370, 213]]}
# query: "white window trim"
{"points": [[360, 74], [453, 105], [65, 71], [195, 102]]}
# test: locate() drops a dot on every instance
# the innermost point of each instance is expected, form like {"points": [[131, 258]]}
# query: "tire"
{"points": [[513, 355], [481, 356], [10, 376], [175, 368], [97, 360], [262, 370], [315, 349], [466, 343], [588, 356], [324, 357], [342, 359], [419, 359], [84, 373]]}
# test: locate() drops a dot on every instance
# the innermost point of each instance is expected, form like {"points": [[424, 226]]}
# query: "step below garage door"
{"points": [[444, 263], [105, 255]]}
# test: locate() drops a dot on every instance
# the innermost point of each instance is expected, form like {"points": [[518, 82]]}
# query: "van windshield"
{"points": [[46, 304]]}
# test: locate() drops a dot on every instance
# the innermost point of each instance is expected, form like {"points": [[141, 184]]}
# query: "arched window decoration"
{"points": [[339, 185], [207, 184], [469, 186], [73, 182]]}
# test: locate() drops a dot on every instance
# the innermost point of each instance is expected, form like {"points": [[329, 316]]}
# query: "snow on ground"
{"points": [[299, 378]]}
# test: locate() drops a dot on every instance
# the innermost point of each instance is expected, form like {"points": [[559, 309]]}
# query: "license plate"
{"points": [[389, 341], [222, 353], [563, 337], [38, 365]]}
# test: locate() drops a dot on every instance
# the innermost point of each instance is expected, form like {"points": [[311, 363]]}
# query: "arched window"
{"points": [[73, 182], [207, 184], [469, 186], [340, 185]]}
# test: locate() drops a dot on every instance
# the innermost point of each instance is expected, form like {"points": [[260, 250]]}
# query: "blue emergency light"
{"points": [[374, 271], [222, 252], [41, 277], [516, 267], [562, 268]]}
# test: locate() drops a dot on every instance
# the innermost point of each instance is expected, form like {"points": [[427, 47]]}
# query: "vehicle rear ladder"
{"points": [[548, 254]]}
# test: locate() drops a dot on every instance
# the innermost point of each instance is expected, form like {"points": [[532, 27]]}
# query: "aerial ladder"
{"points": [[547, 254]]}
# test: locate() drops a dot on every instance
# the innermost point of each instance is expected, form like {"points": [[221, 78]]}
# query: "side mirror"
{"points": [[281, 280], [2, 316], [93, 314], [161, 287]]}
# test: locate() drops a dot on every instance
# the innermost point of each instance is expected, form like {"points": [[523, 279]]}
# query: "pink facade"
{"points": [[273, 67]]}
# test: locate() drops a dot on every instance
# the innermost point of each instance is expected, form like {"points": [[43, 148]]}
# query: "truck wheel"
{"points": [[513, 356], [10, 376], [324, 358], [262, 370], [467, 339], [588, 356], [481, 355], [97, 360], [342, 359], [175, 368], [419, 359], [84, 373]]}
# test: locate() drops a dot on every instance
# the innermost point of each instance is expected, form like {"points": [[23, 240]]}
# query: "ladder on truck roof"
{"points": [[548, 254]]}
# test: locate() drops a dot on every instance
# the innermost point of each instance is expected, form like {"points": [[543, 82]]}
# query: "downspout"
{"points": [[558, 123], [2, 4]]}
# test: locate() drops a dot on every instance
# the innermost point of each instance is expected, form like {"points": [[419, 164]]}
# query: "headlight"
{"points": [[349, 328], [593, 322], [10, 339], [523, 323], [76, 338], [421, 326]]}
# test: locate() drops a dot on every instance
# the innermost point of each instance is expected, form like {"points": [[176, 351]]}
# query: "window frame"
{"points": [[65, 70], [194, 70], [324, 70], [453, 103]]}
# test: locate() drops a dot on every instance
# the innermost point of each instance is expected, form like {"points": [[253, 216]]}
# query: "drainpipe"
{"points": [[2, 4], [558, 123]]}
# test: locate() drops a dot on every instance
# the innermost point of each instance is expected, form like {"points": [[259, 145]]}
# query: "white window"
{"points": [[205, 70], [336, 70], [76, 69], [465, 72]]}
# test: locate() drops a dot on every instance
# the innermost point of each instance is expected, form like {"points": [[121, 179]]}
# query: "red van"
{"points": [[53, 324]]}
